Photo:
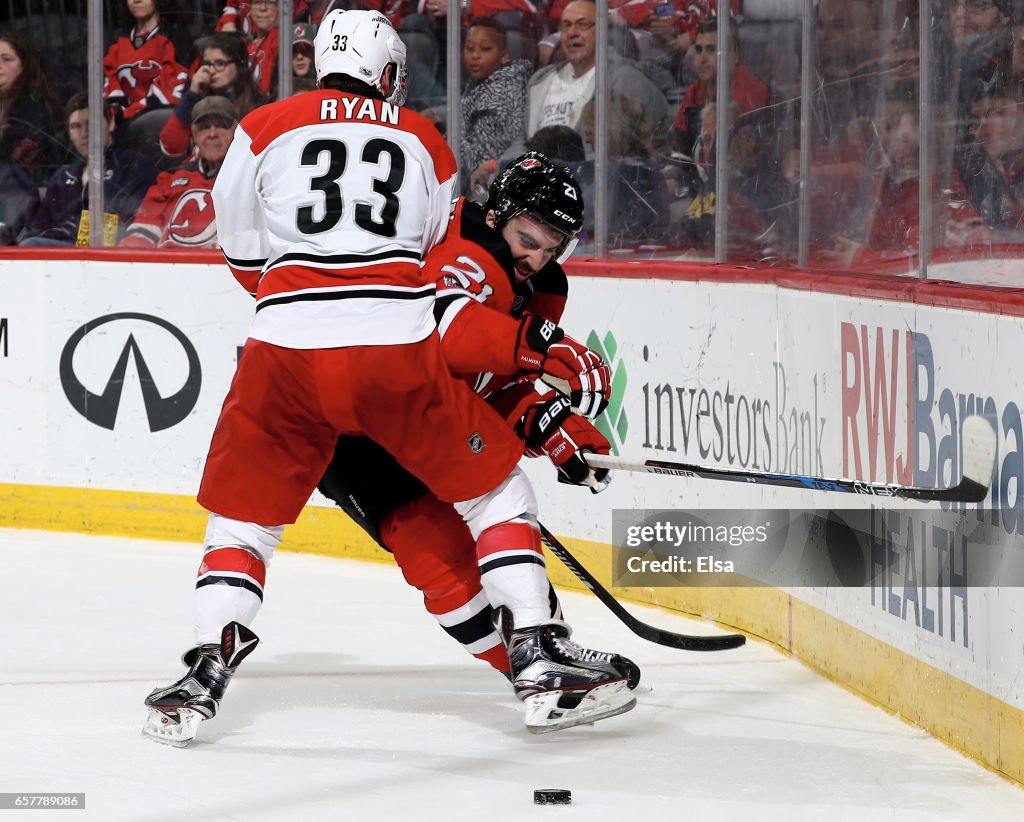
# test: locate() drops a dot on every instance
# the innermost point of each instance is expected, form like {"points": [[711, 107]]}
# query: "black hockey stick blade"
{"points": [[979, 450], [659, 636]]}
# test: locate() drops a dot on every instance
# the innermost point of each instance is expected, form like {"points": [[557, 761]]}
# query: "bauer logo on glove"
{"points": [[551, 429]]}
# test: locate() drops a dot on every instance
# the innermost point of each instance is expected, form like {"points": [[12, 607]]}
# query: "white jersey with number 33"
{"points": [[326, 205]]}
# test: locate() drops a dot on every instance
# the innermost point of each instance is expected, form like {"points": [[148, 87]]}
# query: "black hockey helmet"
{"points": [[545, 190]]}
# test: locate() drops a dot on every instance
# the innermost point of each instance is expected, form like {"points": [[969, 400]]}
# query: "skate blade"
{"points": [[177, 729], [544, 716]]}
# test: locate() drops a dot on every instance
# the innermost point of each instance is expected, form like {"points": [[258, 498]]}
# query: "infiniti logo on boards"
{"points": [[101, 409]]}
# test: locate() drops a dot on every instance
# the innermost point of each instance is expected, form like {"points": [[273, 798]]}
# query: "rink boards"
{"points": [[114, 373]]}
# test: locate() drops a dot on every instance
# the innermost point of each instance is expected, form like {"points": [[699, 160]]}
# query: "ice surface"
{"points": [[357, 707]]}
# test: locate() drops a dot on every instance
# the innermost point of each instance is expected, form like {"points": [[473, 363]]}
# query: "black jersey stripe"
{"points": [[235, 582], [344, 259], [347, 294], [519, 559], [238, 262], [473, 629]]}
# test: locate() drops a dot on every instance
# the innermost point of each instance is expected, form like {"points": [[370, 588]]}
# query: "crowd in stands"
{"points": [[173, 92]]}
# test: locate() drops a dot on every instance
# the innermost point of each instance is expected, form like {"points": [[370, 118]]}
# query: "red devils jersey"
{"points": [[139, 71], [262, 58], [479, 302], [327, 204], [177, 212]]}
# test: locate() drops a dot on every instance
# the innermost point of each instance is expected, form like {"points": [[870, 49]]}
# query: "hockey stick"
{"points": [[684, 642], [979, 449]]}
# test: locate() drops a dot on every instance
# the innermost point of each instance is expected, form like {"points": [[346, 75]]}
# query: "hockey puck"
{"points": [[552, 796]]}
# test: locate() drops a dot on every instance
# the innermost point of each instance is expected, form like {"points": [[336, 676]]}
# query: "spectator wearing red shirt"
{"points": [[178, 209], [746, 90], [263, 42], [145, 68]]}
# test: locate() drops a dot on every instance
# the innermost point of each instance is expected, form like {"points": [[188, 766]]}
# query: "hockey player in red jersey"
{"points": [[327, 204], [498, 279]]}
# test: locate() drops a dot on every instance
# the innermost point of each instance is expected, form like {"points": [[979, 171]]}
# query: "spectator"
{"points": [[557, 93], [425, 34], [145, 68], [314, 11], [29, 112], [638, 204], [493, 102], [235, 17], [888, 225], [63, 215], [847, 46], [558, 143], [178, 209], [747, 226], [263, 43], [746, 90], [991, 162], [223, 71], [983, 35], [302, 52]]}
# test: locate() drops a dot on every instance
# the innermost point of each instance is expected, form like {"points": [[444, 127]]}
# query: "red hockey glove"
{"points": [[565, 364], [550, 428]]}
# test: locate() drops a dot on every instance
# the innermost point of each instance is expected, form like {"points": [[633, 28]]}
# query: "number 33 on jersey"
{"points": [[322, 217]]}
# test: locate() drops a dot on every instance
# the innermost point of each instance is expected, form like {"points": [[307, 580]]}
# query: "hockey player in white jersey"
{"points": [[327, 203]]}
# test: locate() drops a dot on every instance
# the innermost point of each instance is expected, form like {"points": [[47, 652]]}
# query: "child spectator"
{"points": [[223, 71], [178, 209], [494, 99], [63, 214], [145, 68]]}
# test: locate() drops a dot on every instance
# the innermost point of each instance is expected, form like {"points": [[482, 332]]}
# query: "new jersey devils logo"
{"points": [[140, 73], [192, 222]]}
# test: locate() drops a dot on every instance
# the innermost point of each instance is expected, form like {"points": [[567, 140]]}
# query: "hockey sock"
{"points": [[513, 571], [229, 588], [469, 624]]}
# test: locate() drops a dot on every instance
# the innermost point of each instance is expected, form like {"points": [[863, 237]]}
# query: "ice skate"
{"points": [[176, 710], [562, 684]]}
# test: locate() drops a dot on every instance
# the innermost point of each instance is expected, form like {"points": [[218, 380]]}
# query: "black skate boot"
{"points": [[561, 683], [176, 711]]}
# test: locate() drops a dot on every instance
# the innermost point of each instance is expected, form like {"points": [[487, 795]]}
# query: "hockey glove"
{"points": [[550, 428], [564, 364]]}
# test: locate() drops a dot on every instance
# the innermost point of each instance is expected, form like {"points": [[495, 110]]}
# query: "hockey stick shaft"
{"points": [[979, 444], [659, 636]]}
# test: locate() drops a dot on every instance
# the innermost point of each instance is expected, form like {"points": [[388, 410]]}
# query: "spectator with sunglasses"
{"points": [[223, 70]]}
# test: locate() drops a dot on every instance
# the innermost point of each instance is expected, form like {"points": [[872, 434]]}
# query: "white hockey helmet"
{"points": [[361, 44]]}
